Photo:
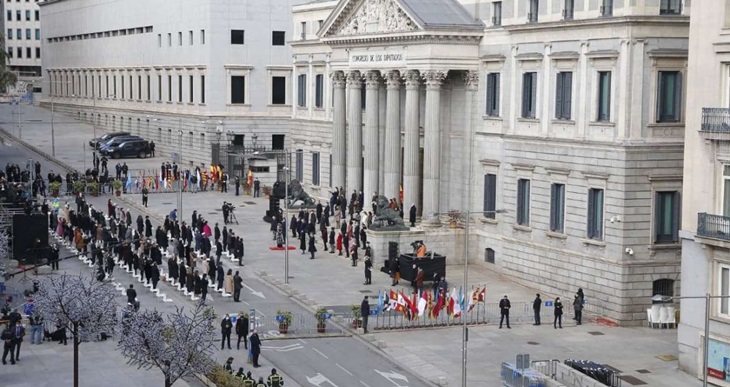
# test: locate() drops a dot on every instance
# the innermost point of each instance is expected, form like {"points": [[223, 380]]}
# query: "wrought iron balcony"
{"points": [[713, 226], [715, 120]]}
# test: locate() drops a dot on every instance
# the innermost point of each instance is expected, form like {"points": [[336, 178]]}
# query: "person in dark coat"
{"points": [[412, 215], [147, 270], [312, 248], [237, 286], [365, 313], [221, 277], [242, 330], [147, 227], [155, 274], [203, 287], [578, 309], [504, 306], [226, 327], [131, 294], [332, 240], [140, 224], [172, 268], [558, 308], [212, 271], [255, 348], [293, 226], [368, 270], [183, 274], [303, 242], [536, 308]]}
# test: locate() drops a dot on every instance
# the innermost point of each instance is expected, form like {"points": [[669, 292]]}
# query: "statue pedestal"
{"points": [[442, 240]]}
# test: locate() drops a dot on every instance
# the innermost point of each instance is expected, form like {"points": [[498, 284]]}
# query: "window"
{"points": [[666, 217], [37, 34], [604, 96], [595, 214], [557, 207], [202, 36], [302, 90], [278, 38], [122, 85], [131, 88], [534, 8], [278, 90], [27, 15], [10, 52], [159, 40], [19, 33], [489, 255], [38, 52], [169, 39], [10, 33], [669, 96], [303, 30], [493, 94], [238, 89], [10, 15], [190, 38], [237, 36], [179, 88], [114, 78], [159, 88], [300, 165], [523, 202], [563, 95], [27, 34], [529, 95], [315, 168], [664, 287], [202, 89], [277, 141], [319, 90], [490, 195], [670, 7], [169, 88], [569, 10], [497, 13], [723, 283], [190, 89], [37, 15], [607, 8], [139, 87], [191, 139], [179, 38], [149, 88], [19, 50], [18, 15]]}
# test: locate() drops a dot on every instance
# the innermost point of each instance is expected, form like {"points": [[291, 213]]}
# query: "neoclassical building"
{"points": [[558, 125]]}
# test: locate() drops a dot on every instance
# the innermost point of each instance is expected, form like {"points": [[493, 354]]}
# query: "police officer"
{"points": [[145, 196], [249, 381], [54, 257], [275, 379]]}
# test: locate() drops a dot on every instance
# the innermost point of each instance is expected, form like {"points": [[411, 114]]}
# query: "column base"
{"points": [[432, 222]]}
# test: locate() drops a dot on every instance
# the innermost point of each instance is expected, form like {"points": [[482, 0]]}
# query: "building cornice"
{"points": [[469, 38], [602, 21]]}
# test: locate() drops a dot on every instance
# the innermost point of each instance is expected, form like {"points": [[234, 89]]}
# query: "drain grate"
{"points": [[632, 380], [366, 291], [643, 371], [595, 333], [533, 343], [167, 203], [251, 203]]}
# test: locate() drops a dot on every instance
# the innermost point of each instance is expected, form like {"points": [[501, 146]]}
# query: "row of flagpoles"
{"points": [[154, 180], [428, 303]]}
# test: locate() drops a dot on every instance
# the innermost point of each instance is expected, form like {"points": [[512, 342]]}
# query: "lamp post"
{"points": [[706, 342], [179, 183]]}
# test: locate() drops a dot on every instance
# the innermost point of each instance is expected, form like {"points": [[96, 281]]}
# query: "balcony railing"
{"points": [[715, 120], [713, 226]]}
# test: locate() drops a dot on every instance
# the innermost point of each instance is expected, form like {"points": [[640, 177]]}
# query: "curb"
{"points": [[50, 158]]}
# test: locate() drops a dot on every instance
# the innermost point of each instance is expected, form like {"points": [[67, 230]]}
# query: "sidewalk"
{"points": [[435, 353]]}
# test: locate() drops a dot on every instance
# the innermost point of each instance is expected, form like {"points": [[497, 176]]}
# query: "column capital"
{"points": [[413, 79], [338, 79], [434, 78], [354, 79], [393, 79], [471, 80], [372, 80]]}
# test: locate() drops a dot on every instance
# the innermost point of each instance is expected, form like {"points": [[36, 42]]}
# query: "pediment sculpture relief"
{"points": [[376, 16]]}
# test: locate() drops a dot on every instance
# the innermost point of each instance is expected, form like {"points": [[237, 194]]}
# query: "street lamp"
{"points": [[708, 298], [179, 183]]}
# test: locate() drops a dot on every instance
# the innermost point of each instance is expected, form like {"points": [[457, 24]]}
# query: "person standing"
{"points": [[54, 257], [145, 196], [203, 287], [255, 348], [238, 185], [558, 306], [332, 240], [221, 277], [155, 274], [237, 286], [152, 148], [365, 313], [275, 379], [312, 248], [131, 295], [412, 215], [36, 329], [582, 297], [8, 338], [226, 327], [578, 309], [19, 334], [256, 188], [242, 330], [368, 270], [536, 308], [228, 286], [504, 306]]}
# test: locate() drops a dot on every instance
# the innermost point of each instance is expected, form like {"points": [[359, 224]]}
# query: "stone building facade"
{"points": [[558, 125]]}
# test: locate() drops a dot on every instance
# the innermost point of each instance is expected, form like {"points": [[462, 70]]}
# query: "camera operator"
{"points": [[227, 208]]}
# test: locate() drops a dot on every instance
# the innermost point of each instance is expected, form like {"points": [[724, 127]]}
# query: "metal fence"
{"points": [[713, 226], [301, 325], [715, 120]]}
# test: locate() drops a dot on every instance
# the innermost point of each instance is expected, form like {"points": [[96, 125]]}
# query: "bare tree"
{"points": [[79, 304], [7, 77], [177, 344]]}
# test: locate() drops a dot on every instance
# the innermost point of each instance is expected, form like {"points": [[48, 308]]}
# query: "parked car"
{"points": [[129, 148], [118, 140], [99, 141]]}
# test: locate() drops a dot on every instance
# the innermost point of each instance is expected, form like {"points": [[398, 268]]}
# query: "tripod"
{"points": [[232, 217]]}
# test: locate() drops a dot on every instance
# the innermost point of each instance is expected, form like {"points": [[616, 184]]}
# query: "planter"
{"points": [[283, 329], [321, 328], [357, 323], [118, 193], [55, 193]]}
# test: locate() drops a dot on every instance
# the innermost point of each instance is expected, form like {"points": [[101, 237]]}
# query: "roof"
{"points": [[440, 14]]}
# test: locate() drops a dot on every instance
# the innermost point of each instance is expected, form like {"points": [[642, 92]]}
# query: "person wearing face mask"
{"points": [[226, 327], [558, 322]]}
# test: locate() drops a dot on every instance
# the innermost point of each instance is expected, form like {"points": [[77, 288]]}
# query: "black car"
{"points": [[99, 141], [118, 140], [130, 148]]}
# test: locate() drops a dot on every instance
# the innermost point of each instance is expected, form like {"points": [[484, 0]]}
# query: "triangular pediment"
{"points": [[367, 17]]}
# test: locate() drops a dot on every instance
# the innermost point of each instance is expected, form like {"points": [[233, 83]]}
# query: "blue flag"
{"points": [[129, 182], [381, 301]]}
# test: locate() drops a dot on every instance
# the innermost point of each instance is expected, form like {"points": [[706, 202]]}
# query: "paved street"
{"points": [[434, 354]]}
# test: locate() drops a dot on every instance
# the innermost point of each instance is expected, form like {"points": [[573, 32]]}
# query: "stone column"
{"points": [[354, 132], [432, 146], [411, 159], [382, 103], [371, 135], [471, 81], [392, 137], [339, 130]]}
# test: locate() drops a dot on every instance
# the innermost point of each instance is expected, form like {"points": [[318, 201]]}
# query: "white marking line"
{"points": [[323, 355], [302, 341], [344, 369], [364, 384]]}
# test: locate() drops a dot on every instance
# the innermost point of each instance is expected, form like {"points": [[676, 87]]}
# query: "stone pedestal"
{"points": [[444, 241]]}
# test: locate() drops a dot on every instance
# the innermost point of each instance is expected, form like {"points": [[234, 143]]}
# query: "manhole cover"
{"points": [[667, 357], [595, 333], [632, 380], [366, 292], [643, 371], [167, 203], [533, 343], [251, 203], [212, 213]]}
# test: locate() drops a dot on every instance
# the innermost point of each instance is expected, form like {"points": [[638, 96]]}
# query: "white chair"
{"points": [[672, 316], [663, 317], [655, 314], [648, 317]]}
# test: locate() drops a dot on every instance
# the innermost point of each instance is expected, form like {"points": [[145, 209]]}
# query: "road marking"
{"points": [[318, 379], [364, 384], [286, 348], [318, 351], [344, 369], [392, 375], [302, 341], [254, 292]]}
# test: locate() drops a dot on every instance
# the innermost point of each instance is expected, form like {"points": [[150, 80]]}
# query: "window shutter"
{"points": [[559, 96], [490, 90], [553, 207], [567, 94], [659, 97], [533, 96], [658, 212], [496, 95], [525, 94], [676, 215], [678, 97], [520, 201], [591, 214]]}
